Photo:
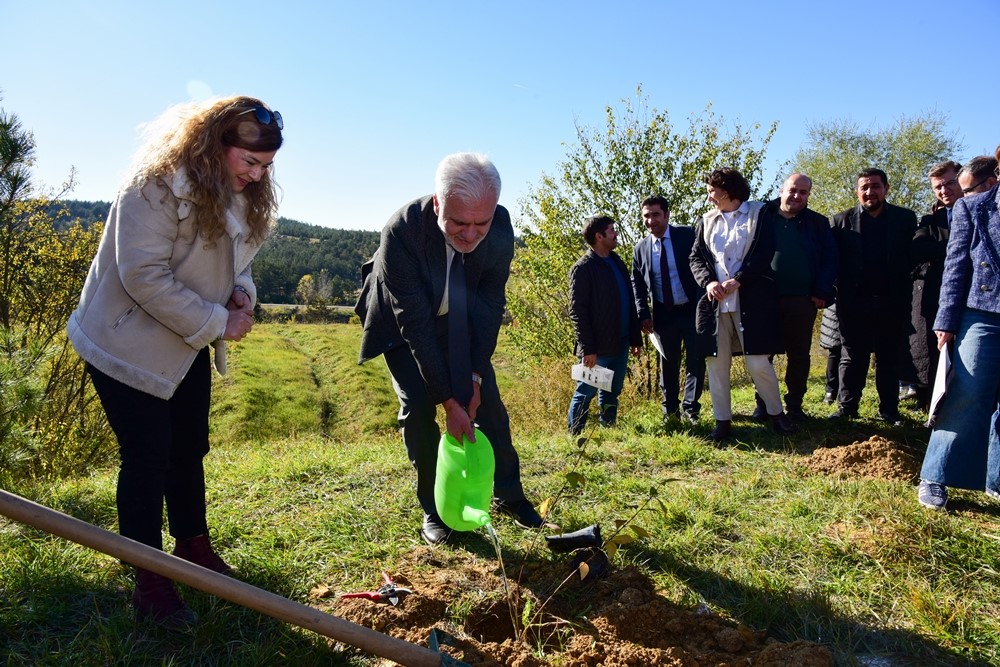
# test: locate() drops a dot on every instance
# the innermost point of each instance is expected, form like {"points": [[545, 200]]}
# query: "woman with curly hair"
{"points": [[172, 278]]}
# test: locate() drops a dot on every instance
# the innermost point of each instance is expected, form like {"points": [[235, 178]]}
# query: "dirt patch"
{"points": [[614, 621], [875, 458]]}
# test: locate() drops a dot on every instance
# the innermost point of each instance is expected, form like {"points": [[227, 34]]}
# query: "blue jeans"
{"points": [[606, 400], [964, 450]]}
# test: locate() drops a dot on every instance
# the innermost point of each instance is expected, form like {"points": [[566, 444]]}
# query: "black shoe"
{"points": [[434, 531], [842, 415], [796, 414], [891, 418], [760, 414], [721, 431], [782, 424], [523, 513]]}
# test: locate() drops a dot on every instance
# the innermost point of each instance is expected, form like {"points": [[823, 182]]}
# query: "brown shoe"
{"points": [[199, 551], [156, 598], [721, 431]]}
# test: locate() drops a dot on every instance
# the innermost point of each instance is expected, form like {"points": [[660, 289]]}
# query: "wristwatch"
{"points": [[478, 379]]}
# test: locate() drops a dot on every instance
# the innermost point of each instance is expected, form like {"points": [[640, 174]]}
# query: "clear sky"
{"points": [[374, 92]]}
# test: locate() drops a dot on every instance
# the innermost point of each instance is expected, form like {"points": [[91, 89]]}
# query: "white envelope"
{"points": [[598, 376], [940, 384]]}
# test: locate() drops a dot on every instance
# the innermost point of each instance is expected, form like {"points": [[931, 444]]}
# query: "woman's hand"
{"points": [[944, 337]]}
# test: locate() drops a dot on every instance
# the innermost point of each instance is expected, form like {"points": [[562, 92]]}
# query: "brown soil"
{"points": [[876, 458], [612, 621]]}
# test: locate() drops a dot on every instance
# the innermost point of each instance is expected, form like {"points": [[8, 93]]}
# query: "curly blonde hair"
{"points": [[195, 136]]}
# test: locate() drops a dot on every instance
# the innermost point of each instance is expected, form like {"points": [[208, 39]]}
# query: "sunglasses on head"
{"points": [[266, 116]]}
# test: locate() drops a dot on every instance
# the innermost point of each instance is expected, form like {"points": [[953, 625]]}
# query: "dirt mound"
{"points": [[875, 458], [615, 621]]}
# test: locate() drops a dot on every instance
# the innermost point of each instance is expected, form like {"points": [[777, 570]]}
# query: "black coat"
{"points": [[928, 251], [595, 306], [760, 310]]}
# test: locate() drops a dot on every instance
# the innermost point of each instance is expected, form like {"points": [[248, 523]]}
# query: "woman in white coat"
{"points": [[170, 280]]}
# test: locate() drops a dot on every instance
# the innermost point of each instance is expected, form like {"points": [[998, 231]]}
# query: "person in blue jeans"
{"points": [[964, 450], [606, 324]]}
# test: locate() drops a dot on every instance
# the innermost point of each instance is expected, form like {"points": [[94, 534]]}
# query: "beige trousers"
{"points": [[761, 371]]}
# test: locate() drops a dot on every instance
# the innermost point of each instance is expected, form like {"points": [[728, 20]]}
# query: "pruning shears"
{"points": [[388, 592]]}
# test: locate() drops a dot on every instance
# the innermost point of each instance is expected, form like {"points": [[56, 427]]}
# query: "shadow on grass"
{"points": [[791, 615]]}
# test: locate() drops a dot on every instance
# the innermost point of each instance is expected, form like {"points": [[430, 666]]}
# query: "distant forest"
{"points": [[296, 250]]}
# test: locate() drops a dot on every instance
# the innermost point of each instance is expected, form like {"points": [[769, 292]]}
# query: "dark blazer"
{"points": [[760, 310], [404, 284], [820, 248], [595, 306], [681, 240], [930, 243], [972, 267], [902, 223]]}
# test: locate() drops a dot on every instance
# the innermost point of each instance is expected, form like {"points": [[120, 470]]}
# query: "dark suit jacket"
{"points": [[902, 223], [404, 284], [681, 240]]}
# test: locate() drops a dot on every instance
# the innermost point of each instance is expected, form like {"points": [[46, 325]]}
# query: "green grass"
{"points": [[309, 484]]}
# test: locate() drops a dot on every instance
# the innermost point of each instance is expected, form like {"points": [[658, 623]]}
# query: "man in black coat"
{"points": [[662, 278], [930, 243], [873, 294], [805, 267], [411, 294], [602, 309]]}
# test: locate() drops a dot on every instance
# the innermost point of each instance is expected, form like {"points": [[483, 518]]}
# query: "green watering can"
{"points": [[463, 486]]}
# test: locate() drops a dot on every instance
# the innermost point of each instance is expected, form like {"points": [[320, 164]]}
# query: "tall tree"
{"points": [[834, 152], [609, 171]]}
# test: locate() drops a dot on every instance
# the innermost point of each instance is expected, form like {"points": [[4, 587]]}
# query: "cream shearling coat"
{"points": [[155, 294]]}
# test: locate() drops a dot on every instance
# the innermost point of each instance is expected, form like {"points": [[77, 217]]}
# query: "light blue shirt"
{"points": [[676, 288]]}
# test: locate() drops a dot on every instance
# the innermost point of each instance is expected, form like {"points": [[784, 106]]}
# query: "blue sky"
{"points": [[375, 93]]}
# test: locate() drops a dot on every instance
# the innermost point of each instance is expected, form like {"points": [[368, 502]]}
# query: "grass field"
{"points": [[309, 485]]}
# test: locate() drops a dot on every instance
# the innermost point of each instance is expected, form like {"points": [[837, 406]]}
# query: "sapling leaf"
{"points": [[575, 479], [584, 571], [546, 505], [622, 539], [620, 523], [640, 531], [581, 442], [611, 549], [653, 492]]}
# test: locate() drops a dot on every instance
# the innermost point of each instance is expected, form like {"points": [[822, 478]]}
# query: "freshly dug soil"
{"points": [[875, 458], [612, 621]]}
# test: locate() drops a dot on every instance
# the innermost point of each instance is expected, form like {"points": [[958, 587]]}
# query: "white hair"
{"points": [[468, 177]]}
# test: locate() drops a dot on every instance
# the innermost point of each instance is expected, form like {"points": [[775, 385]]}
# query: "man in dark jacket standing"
{"points": [[602, 308], [665, 298], [805, 267], [930, 243], [873, 294]]}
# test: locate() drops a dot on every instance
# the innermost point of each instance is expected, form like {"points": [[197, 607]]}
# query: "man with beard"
{"points": [[873, 294], [431, 306]]}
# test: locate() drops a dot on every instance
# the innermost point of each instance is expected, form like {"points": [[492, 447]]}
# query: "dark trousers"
{"points": [[870, 325], [161, 444], [676, 327], [833, 371], [798, 317], [421, 434]]}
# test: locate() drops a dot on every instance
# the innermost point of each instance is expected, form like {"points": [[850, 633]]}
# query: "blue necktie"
{"points": [[668, 292]]}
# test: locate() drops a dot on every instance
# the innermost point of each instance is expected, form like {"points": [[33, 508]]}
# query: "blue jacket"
{"points": [[973, 261]]}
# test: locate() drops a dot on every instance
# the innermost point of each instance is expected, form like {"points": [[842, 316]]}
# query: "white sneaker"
{"points": [[993, 493]]}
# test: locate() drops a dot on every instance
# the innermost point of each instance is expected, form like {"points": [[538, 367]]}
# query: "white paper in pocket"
{"points": [[598, 376]]}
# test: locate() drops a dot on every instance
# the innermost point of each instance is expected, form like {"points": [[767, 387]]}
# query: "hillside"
{"points": [[297, 249]]}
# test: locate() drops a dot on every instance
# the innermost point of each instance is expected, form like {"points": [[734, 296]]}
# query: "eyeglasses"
{"points": [[972, 188], [266, 116]]}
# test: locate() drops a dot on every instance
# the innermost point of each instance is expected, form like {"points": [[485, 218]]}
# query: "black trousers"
{"points": [[421, 434], [162, 444], [798, 317], [870, 325], [674, 328]]}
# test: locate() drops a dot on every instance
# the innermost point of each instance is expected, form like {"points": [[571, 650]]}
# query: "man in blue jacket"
{"points": [[602, 308], [805, 268]]}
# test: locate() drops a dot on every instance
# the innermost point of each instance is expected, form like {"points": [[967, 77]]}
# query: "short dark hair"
{"points": [[942, 168], [656, 200], [594, 225], [871, 172], [980, 167], [730, 180]]}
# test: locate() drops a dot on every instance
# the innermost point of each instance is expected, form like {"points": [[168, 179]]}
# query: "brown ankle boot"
{"points": [[199, 551], [156, 598]]}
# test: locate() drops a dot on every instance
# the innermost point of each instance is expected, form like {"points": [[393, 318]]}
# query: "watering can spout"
{"points": [[475, 515]]}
